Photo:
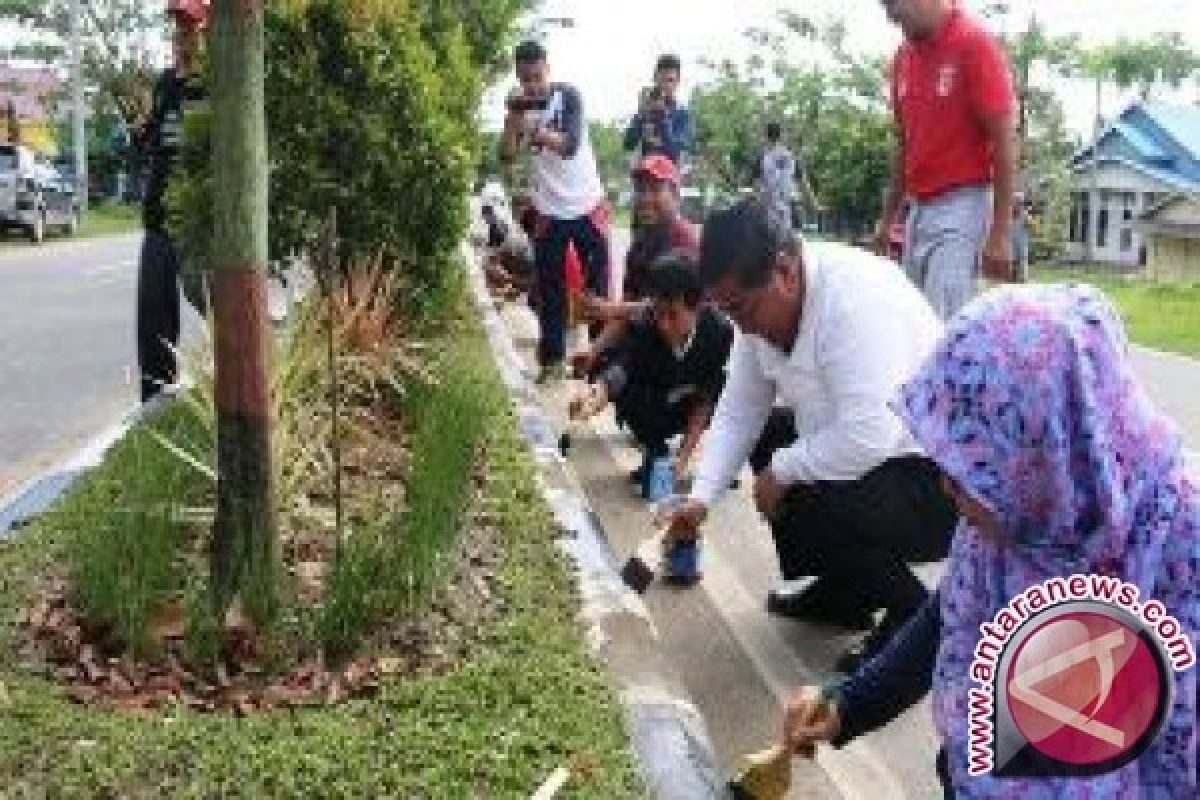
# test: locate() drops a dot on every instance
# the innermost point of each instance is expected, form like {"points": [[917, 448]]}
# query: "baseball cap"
{"points": [[658, 167]]}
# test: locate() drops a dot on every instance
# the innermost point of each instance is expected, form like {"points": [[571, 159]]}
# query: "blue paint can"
{"points": [[683, 562], [658, 479]]}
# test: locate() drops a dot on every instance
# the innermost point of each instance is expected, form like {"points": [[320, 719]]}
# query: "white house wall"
{"points": [[1116, 178]]}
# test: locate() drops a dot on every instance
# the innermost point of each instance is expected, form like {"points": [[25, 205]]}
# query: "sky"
{"points": [[610, 51]]}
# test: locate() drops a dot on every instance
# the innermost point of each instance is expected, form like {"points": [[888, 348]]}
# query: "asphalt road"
{"points": [[67, 353]]}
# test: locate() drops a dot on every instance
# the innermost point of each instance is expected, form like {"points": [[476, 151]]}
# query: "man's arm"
{"points": [[633, 134], [741, 413], [995, 107], [510, 139], [895, 191], [565, 142], [997, 253], [677, 131]]}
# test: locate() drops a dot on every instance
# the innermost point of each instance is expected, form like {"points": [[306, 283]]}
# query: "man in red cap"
{"points": [[658, 228], [177, 89]]}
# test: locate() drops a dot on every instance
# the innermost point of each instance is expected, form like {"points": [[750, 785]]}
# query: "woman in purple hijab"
{"points": [[1060, 465]]}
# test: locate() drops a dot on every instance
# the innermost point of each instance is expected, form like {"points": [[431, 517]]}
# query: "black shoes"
{"points": [[820, 604]]}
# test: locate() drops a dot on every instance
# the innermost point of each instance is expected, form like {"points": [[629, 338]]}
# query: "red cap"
{"points": [[192, 12], [658, 167]]}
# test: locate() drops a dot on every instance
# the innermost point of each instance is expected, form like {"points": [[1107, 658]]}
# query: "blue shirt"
{"points": [[673, 133]]}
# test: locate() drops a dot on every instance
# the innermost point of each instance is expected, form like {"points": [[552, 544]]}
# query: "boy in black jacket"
{"points": [[668, 369]]}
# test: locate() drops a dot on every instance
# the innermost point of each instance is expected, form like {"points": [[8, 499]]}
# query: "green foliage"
{"points": [[393, 567], [528, 699], [608, 143], [371, 110], [124, 529], [114, 34], [832, 106]]}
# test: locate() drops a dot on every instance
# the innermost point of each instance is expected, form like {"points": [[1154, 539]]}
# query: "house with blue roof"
{"points": [[1146, 159]]}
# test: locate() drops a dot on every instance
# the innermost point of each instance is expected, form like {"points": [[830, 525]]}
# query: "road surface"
{"points": [[67, 353]]}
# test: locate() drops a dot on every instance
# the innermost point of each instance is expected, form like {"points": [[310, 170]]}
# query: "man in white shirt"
{"points": [[829, 333], [567, 193]]}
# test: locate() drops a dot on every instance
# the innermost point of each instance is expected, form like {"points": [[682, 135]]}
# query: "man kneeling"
{"points": [[831, 332], [668, 368]]}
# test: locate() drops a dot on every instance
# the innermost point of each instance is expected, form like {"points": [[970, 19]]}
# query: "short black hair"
{"points": [[774, 131], [673, 277], [529, 52], [743, 241], [670, 61]]}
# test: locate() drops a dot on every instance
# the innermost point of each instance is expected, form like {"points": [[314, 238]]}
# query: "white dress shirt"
{"points": [[864, 330]]}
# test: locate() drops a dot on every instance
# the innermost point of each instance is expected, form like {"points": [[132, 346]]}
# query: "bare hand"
{"points": [[997, 256], [683, 523], [768, 492], [584, 361], [588, 404], [809, 719], [881, 242], [549, 139], [683, 463]]}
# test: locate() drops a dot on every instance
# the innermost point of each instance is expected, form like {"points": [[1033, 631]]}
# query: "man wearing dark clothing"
{"points": [[666, 374], [159, 267], [661, 126], [661, 230]]}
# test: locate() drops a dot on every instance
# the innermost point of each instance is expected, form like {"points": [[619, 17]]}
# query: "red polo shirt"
{"points": [[942, 89]]}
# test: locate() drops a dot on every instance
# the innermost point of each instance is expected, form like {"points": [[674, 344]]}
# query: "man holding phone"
{"points": [[661, 126], [567, 194]]}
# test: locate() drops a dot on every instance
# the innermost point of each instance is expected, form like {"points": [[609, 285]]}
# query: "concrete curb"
{"points": [[38, 494], [668, 734]]}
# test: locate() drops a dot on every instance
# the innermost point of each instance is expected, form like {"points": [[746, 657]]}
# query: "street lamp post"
{"points": [[79, 127]]}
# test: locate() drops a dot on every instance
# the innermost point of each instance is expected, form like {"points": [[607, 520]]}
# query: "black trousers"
{"points": [[158, 312], [860, 536], [649, 417], [550, 253]]}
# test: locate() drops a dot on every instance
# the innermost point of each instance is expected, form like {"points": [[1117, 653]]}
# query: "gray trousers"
{"points": [[943, 243]]}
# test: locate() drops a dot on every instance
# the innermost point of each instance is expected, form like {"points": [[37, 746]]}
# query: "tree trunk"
{"points": [[244, 554]]}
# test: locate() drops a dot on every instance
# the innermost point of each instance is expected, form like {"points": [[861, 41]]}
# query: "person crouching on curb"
{"points": [[832, 331], [669, 369], [661, 228], [1060, 466]]}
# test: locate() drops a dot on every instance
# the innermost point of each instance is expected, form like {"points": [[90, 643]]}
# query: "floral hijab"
{"points": [[1030, 404]]}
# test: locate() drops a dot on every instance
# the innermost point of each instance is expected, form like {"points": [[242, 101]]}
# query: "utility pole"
{"points": [[78, 113]]}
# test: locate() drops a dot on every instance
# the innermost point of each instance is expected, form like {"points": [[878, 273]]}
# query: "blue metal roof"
{"points": [[1167, 176], [1181, 123]]}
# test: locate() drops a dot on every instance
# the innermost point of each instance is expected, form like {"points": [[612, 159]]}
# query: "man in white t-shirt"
{"points": [[826, 335], [567, 193]]}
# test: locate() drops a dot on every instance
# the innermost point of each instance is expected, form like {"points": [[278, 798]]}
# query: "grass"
{"points": [[1163, 316], [530, 698], [110, 218]]}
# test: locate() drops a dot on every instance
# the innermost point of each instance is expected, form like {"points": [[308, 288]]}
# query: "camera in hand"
{"points": [[522, 103]]}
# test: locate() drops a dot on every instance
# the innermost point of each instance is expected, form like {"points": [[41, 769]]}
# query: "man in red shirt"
{"points": [[956, 152]]}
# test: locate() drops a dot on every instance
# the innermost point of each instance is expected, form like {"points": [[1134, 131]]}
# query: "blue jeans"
{"points": [[550, 256]]}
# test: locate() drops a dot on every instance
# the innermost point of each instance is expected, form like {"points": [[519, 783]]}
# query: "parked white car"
{"points": [[34, 196]]}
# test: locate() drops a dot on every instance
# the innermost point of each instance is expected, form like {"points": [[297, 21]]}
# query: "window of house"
{"points": [[1126, 240], [1085, 217], [1128, 201], [1102, 228]]}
